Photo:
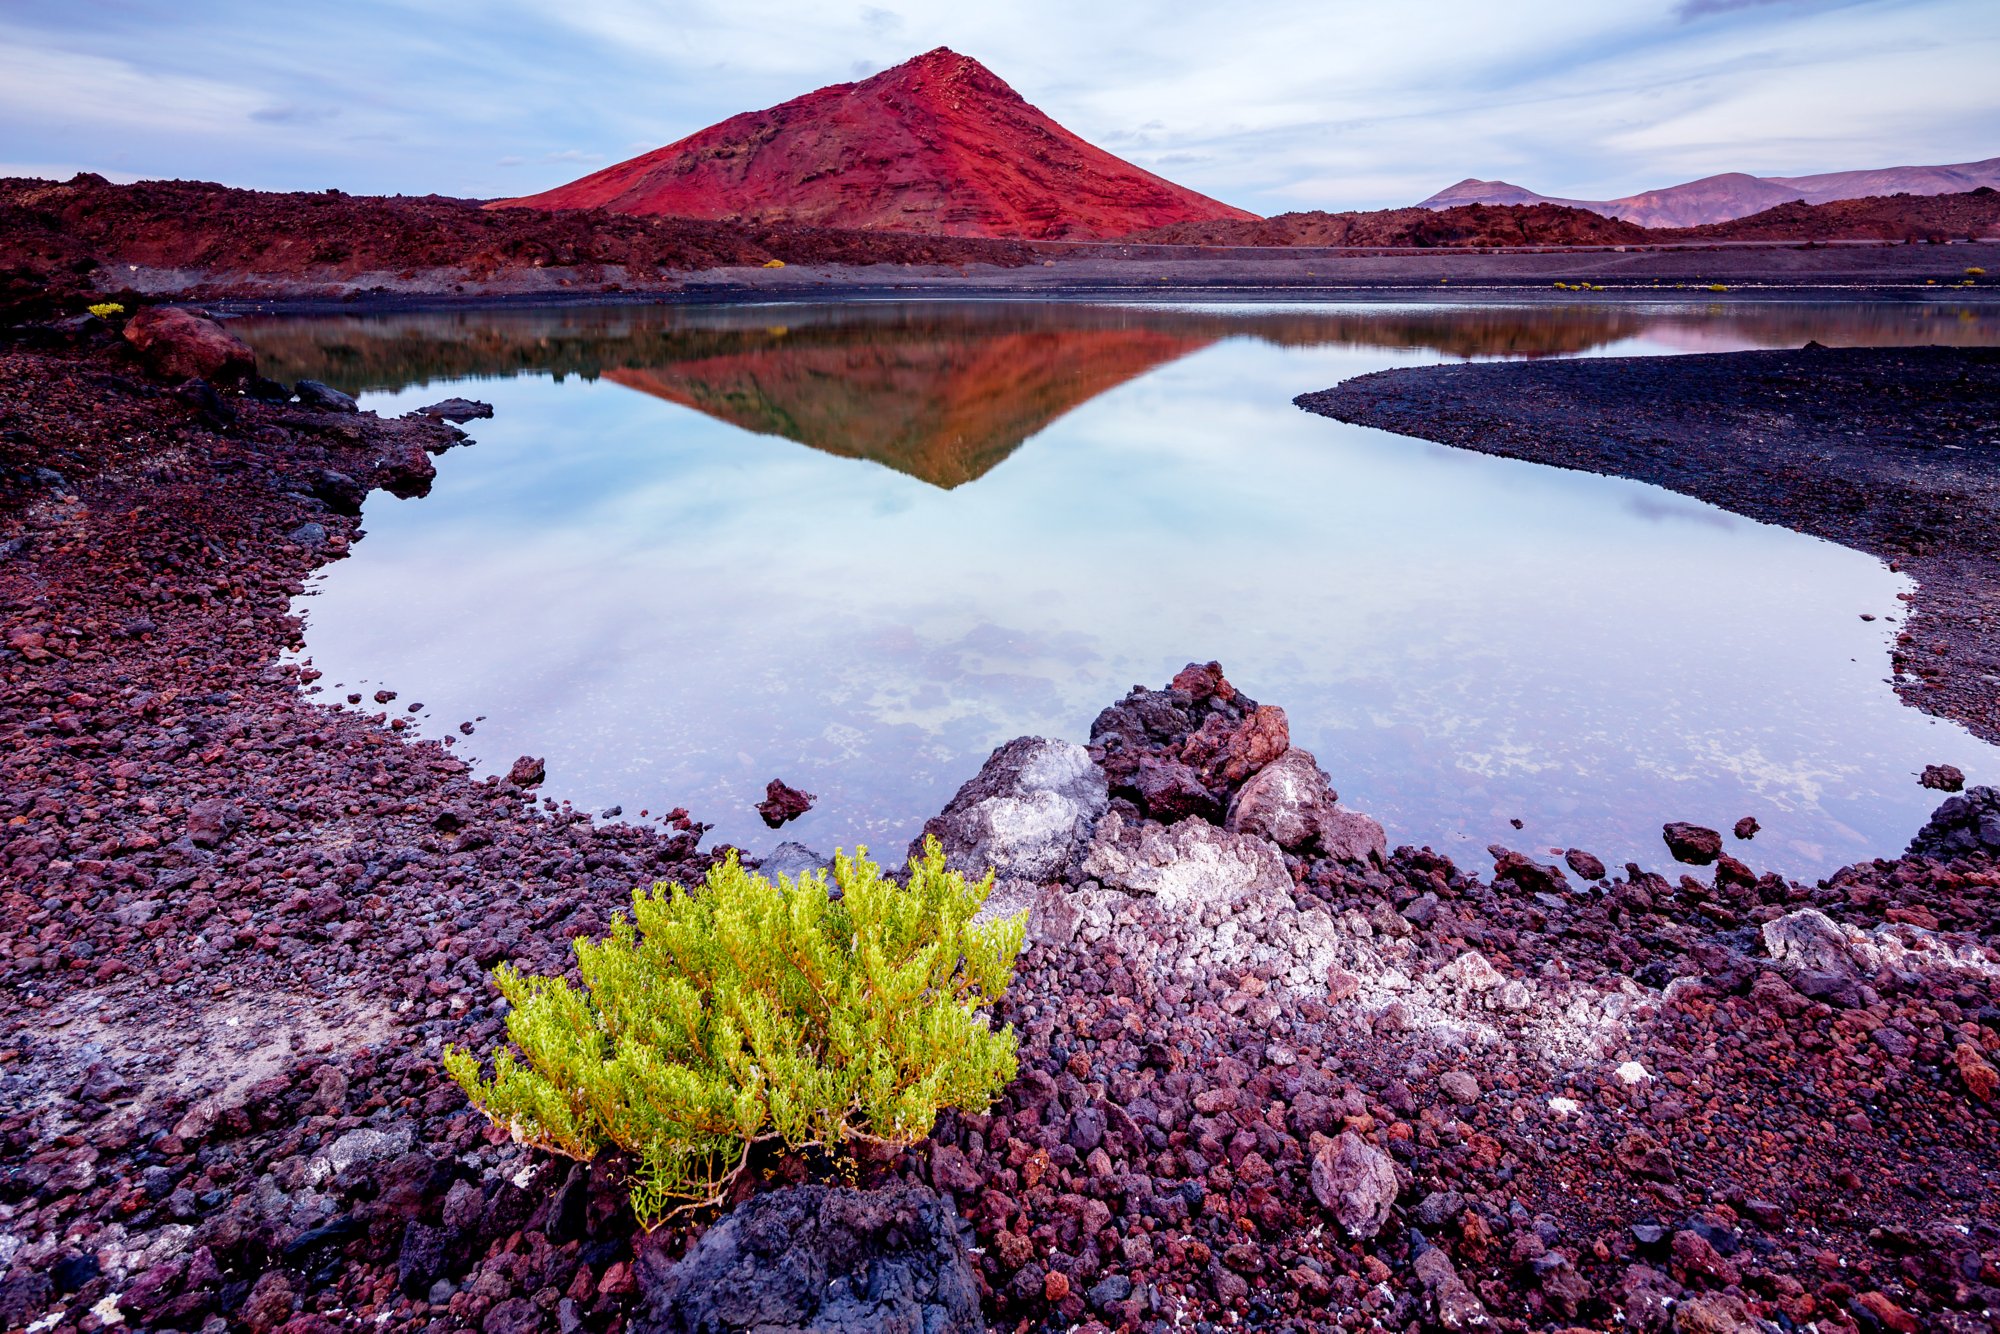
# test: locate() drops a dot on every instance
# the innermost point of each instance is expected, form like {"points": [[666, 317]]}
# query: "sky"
{"points": [[1285, 104]]}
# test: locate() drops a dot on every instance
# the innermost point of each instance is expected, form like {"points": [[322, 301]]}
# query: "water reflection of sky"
{"points": [[673, 610]]}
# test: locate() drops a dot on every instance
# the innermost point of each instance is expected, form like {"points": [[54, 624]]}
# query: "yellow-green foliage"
{"points": [[104, 310], [748, 1011]]}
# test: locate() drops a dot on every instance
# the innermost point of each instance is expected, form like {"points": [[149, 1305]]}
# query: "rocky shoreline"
{"points": [[1274, 1074], [1893, 451], [185, 240]]}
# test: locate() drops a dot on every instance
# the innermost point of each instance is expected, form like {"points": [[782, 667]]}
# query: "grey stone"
{"points": [[356, 1146], [791, 859], [1355, 1182], [455, 410], [1283, 802], [818, 1260], [1027, 813], [324, 397], [1188, 865]]}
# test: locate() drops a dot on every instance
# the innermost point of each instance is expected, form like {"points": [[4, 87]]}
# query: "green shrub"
{"points": [[750, 1012]]}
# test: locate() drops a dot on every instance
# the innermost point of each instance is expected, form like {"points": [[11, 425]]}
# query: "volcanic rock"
{"points": [[1283, 802], [1291, 802], [782, 804], [182, 344], [324, 397], [1942, 778], [1191, 864], [1356, 1182], [1584, 864], [818, 1259], [1962, 825], [1026, 814], [1226, 753], [455, 410], [1692, 843], [791, 859], [1747, 827], [528, 771], [937, 144]]}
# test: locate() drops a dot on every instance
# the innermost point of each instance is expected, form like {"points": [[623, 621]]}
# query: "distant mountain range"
{"points": [[1737, 195], [937, 144]]}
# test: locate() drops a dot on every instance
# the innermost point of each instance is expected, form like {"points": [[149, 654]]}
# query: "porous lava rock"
{"points": [[1189, 749], [1942, 778], [1963, 825], [1355, 1182], [782, 803], [1584, 864], [180, 344], [1026, 814], [1691, 843], [818, 1260], [1291, 802], [936, 144], [1187, 865]]}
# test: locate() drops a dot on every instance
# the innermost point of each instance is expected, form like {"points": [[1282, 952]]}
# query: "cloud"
{"points": [[293, 115], [1690, 10]]}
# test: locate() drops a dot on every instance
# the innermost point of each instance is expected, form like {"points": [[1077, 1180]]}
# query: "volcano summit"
{"points": [[938, 144]]}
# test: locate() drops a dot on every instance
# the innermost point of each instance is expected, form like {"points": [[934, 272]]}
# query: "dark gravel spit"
{"points": [[1892, 451]]}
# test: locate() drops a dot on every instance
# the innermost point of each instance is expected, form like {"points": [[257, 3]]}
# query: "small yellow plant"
{"points": [[1718, 287], [1975, 272], [774, 263], [104, 310], [748, 1013]]}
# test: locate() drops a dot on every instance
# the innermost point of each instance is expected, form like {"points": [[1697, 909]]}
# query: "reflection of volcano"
{"points": [[945, 410]]}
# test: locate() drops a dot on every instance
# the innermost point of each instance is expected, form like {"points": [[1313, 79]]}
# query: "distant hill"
{"points": [[1973, 214], [1468, 225], [938, 144], [1733, 195]]}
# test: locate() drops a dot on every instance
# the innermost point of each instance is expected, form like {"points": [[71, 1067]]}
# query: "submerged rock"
{"points": [[1026, 814], [819, 1260]]}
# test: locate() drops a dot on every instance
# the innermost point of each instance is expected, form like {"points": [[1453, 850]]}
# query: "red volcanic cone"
{"points": [[937, 144]]}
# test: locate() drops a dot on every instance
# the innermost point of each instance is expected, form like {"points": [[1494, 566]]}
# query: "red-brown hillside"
{"points": [[938, 144]]}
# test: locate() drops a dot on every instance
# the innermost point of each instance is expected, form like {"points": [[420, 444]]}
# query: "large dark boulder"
{"points": [[1962, 826], [819, 1260]]}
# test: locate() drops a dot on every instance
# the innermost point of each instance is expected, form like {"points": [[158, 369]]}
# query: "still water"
{"points": [[855, 546]]}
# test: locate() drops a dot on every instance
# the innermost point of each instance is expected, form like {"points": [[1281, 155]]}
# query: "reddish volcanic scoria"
{"points": [[937, 144]]}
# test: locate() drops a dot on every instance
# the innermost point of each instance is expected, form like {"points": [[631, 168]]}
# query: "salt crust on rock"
{"points": [[1026, 813], [1810, 941]]}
